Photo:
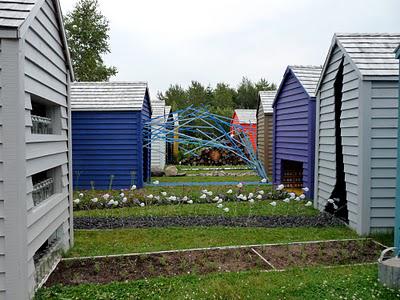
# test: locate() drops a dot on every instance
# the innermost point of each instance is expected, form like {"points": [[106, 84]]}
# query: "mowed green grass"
{"points": [[356, 282], [260, 208], [123, 241]]}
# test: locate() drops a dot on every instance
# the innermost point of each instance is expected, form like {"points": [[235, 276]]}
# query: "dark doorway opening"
{"points": [[292, 174], [338, 203]]}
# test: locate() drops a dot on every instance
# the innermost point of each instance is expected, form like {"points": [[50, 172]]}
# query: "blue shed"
{"points": [[107, 134], [294, 128]]}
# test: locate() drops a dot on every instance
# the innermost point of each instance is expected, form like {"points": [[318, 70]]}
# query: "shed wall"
{"points": [[2, 238], [143, 138], [158, 147], [264, 139], [326, 166], [293, 130], [105, 144], [384, 124]]}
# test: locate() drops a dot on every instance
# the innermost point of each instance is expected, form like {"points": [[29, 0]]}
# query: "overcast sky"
{"points": [[175, 41]]}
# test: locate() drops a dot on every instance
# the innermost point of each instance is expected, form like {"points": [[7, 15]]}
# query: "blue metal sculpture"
{"points": [[199, 128]]}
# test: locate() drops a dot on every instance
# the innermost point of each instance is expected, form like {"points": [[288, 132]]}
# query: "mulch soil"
{"points": [[321, 220], [104, 270]]}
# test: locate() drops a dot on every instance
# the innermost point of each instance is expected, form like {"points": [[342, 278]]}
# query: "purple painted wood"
{"points": [[294, 129]]}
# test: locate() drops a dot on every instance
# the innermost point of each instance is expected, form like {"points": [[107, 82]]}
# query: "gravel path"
{"points": [[322, 220]]}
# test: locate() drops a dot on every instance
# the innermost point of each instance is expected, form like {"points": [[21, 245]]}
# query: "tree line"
{"points": [[222, 99]]}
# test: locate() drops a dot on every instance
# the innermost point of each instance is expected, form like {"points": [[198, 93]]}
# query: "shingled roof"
{"points": [[108, 96], [266, 98], [246, 116], [308, 77]]}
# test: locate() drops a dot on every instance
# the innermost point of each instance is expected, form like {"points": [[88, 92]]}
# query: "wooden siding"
{"points": [[105, 144], [384, 125], [294, 127], [146, 159], [2, 234], [326, 166], [264, 139]]}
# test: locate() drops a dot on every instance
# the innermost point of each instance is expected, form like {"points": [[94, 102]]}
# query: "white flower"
{"points": [[261, 192], [124, 200], [95, 200], [220, 206], [335, 206], [229, 192], [81, 195], [142, 204], [302, 196], [273, 203], [264, 180], [331, 201], [190, 202], [251, 195], [133, 187], [287, 200], [116, 203], [251, 201], [157, 198], [156, 182], [185, 198], [297, 199], [122, 195], [240, 185], [309, 203], [204, 191], [306, 189], [77, 201], [240, 196], [209, 193], [150, 196], [292, 195], [204, 196], [106, 196], [226, 209], [111, 202], [172, 198], [164, 194], [244, 198], [259, 197], [280, 187], [216, 199], [220, 201]]}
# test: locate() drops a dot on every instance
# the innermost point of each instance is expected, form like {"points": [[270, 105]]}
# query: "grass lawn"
{"points": [[357, 282], [123, 241], [261, 208], [247, 178]]}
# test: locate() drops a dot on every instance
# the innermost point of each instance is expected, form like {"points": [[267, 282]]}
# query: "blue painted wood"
{"points": [[397, 220], [106, 144], [294, 129]]}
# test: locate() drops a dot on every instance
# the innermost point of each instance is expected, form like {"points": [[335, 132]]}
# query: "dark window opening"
{"points": [[43, 186], [292, 174], [339, 196], [46, 116]]}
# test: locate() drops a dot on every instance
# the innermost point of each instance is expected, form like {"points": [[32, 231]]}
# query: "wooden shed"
{"points": [[356, 134], [294, 128], [173, 132], [247, 118], [264, 128], [107, 134], [35, 189], [158, 146], [397, 204]]}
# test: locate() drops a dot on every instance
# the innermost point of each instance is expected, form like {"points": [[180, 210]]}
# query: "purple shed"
{"points": [[294, 128]]}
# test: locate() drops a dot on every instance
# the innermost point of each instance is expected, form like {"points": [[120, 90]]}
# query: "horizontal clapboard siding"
{"points": [[105, 144], [261, 134], [158, 147], [384, 118], [292, 134], [2, 236]]}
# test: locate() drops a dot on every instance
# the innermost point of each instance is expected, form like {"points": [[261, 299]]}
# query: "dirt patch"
{"points": [[133, 267], [321, 254], [105, 270]]}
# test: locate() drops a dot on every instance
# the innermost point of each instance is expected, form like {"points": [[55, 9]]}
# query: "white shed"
{"points": [[356, 131], [35, 168], [158, 146]]}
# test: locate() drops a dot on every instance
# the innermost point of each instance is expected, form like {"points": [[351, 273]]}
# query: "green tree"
{"points": [[224, 96], [88, 39], [199, 95], [176, 97], [247, 92]]}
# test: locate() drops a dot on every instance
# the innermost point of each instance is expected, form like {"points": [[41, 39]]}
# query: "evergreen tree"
{"points": [[88, 39]]}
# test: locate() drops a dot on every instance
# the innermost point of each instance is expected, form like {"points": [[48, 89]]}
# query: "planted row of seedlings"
{"points": [[202, 261]]}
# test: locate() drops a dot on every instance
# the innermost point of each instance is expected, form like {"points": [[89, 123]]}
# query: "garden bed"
{"points": [[202, 261], [321, 220]]}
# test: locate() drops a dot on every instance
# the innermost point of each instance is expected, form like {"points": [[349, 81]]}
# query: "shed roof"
{"points": [[17, 15], [397, 51], [108, 96], [246, 116], [308, 77], [266, 98]]}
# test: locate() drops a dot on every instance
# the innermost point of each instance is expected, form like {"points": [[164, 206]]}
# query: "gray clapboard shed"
{"points": [[158, 146], [356, 130], [35, 189]]}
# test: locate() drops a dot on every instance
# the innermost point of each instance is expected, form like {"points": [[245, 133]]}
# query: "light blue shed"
{"points": [[108, 140]]}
